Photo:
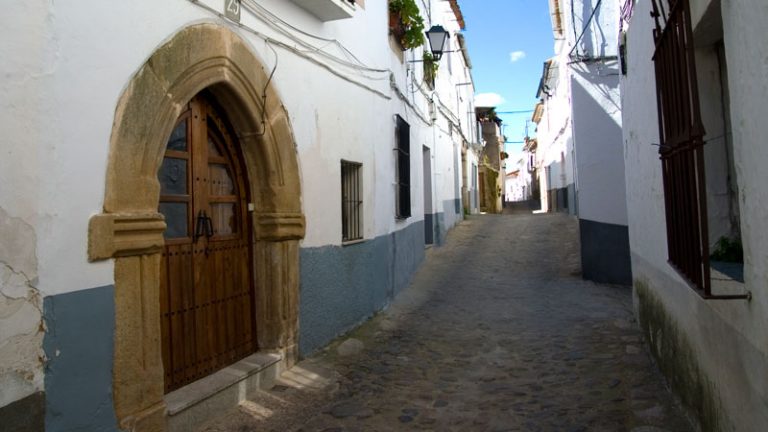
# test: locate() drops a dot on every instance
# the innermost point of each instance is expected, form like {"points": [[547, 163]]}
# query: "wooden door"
{"points": [[206, 289]]}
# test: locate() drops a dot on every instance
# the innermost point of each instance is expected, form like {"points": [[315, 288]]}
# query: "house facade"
{"points": [[530, 167], [192, 185], [517, 183], [579, 134], [695, 197], [491, 174]]}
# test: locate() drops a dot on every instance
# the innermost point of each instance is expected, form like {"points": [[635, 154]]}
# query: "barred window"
{"points": [[351, 201], [403, 198], [683, 147]]}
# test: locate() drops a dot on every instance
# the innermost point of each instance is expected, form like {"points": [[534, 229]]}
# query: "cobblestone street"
{"points": [[497, 332]]}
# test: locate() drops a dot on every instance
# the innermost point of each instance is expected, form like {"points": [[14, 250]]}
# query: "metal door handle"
{"points": [[200, 226], [208, 226]]}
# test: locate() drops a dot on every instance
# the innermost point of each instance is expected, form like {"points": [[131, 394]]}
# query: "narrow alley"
{"points": [[497, 332]]}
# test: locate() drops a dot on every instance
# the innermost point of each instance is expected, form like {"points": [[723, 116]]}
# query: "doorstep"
{"points": [[193, 404]]}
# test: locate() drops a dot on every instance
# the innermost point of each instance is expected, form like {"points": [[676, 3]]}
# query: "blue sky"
{"points": [[508, 41]]}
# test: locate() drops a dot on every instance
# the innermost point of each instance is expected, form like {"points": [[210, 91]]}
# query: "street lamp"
{"points": [[437, 37]]}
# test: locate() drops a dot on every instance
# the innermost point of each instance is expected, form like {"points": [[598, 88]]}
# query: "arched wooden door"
{"points": [[206, 288]]}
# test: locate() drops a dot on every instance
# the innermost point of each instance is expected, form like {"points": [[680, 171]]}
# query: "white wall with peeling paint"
{"points": [[64, 68], [62, 62], [21, 326]]}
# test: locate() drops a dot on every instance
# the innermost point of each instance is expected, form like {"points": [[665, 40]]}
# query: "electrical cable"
{"points": [[260, 11], [586, 26], [252, 3], [264, 92], [515, 112], [292, 49], [402, 96], [358, 67]]}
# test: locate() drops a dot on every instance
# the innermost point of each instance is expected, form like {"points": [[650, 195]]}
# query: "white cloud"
{"points": [[516, 55], [488, 100]]}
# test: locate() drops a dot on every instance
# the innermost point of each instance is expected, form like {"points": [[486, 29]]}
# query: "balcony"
{"points": [[328, 10]]}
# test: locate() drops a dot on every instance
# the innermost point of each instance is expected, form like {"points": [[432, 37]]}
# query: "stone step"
{"points": [[192, 405]]}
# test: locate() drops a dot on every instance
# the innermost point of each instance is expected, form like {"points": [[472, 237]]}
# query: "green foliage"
{"points": [[728, 250], [411, 21], [430, 68], [490, 115], [492, 187]]}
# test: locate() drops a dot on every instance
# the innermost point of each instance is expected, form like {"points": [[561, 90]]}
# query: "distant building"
{"points": [[531, 167], [491, 175], [580, 160], [516, 185]]}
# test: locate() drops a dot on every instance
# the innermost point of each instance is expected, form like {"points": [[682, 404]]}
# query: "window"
{"points": [[681, 131], [403, 194], [685, 154], [351, 201]]}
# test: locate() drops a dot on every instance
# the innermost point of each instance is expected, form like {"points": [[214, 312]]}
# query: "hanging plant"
{"points": [[405, 23], [430, 69]]}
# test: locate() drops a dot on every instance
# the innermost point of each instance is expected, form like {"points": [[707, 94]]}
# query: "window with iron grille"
{"points": [[402, 149], [682, 148], [351, 201]]}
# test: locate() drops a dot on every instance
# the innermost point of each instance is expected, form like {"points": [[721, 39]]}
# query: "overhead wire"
{"points": [[264, 92], [352, 62], [268, 17], [292, 49], [584, 30], [266, 11]]}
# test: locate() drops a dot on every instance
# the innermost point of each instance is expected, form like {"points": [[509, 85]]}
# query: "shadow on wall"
{"points": [[599, 152], [605, 78]]}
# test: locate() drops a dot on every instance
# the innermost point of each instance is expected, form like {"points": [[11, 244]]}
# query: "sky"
{"points": [[508, 42]]}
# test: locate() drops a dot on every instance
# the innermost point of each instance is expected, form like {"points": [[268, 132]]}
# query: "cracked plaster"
{"points": [[21, 325]]}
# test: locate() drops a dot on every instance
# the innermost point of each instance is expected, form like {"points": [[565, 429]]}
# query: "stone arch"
{"points": [[202, 56]]}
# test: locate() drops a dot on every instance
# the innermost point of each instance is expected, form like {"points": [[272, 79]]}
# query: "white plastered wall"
{"points": [[60, 136], [728, 337], [65, 67], [597, 138]]}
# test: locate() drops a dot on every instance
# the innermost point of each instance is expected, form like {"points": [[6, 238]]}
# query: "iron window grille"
{"points": [[682, 145], [402, 149], [351, 201]]}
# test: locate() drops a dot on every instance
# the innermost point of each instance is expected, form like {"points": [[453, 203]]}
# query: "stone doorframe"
{"points": [[130, 230]]}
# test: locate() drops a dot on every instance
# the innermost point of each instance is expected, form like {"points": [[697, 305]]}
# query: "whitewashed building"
{"points": [[187, 184], [694, 99], [553, 132], [579, 134], [517, 182]]}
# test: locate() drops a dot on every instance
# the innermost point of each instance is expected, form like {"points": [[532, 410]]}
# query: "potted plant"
{"points": [[405, 23], [430, 69]]}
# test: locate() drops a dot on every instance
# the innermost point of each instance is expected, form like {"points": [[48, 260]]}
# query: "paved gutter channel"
{"points": [[497, 332]]}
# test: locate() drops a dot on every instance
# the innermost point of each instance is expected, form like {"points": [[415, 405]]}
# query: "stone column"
{"points": [[136, 242], [276, 256]]}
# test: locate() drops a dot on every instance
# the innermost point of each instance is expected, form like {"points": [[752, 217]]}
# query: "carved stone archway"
{"points": [[203, 56]]}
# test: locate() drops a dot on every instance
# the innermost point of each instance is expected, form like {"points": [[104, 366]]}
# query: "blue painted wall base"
{"points": [[605, 252], [78, 375], [341, 286]]}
